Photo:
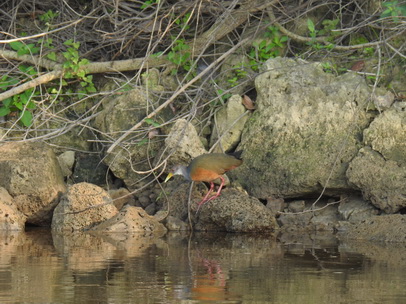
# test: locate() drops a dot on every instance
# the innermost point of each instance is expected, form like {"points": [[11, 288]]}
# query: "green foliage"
{"points": [[152, 122], [332, 68], [360, 39], [394, 9], [73, 61], [369, 51], [149, 3], [183, 22], [47, 44], [223, 96], [24, 103], [326, 31], [48, 17], [24, 49], [73, 68], [269, 47], [20, 103], [239, 72], [328, 67], [180, 55]]}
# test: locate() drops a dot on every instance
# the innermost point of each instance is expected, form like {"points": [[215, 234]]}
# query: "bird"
{"points": [[207, 168]]}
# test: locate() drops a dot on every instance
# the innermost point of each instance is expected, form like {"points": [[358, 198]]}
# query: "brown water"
{"points": [[40, 267]]}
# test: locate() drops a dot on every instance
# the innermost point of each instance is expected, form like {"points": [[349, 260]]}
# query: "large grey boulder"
{"points": [[10, 218], [379, 169], [31, 174], [183, 143], [382, 181], [234, 211], [83, 206], [387, 135], [306, 129], [129, 220], [120, 114], [386, 228], [228, 125]]}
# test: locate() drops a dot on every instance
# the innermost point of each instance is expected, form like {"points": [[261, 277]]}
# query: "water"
{"points": [[40, 267]]}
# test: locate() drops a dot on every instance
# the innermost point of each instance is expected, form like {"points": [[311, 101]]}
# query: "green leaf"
{"points": [[7, 102], [16, 45], [51, 56], [68, 42], [7, 82], [310, 25], [4, 111], [25, 97], [68, 75], [91, 89], [18, 104], [83, 61], [26, 118], [156, 54], [142, 142], [81, 74], [31, 105], [152, 122]]}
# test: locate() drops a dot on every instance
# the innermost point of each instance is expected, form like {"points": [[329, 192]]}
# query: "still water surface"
{"points": [[40, 267]]}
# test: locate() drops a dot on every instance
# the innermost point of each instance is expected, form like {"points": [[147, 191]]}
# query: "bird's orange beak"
{"points": [[168, 177]]}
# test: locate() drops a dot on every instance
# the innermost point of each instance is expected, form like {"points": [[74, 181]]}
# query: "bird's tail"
{"points": [[236, 154]]}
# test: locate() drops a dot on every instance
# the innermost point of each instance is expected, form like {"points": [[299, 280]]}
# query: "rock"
{"points": [[275, 204], [144, 200], [177, 197], [82, 207], [150, 209], [229, 123], [129, 220], [323, 218], [295, 221], [119, 114], [379, 169], [306, 129], [326, 218], [383, 101], [234, 211], [387, 135], [90, 168], [184, 142], [10, 218], [32, 176], [66, 161], [354, 209], [77, 138], [384, 228], [381, 181], [121, 197], [175, 224], [228, 71], [296, 206]]}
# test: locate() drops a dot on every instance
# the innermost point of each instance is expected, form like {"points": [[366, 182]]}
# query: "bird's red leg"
{"points": [[205, 197], [218, 191]]}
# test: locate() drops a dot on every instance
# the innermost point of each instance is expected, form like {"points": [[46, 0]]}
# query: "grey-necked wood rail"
{"points": [[207, 168]]}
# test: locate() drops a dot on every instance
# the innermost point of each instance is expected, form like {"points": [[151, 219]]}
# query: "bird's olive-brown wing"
{"points": [[208, 167]]}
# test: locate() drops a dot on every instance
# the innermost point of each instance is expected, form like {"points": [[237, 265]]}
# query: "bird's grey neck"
{"points": [[183, 170], [186, 173]]}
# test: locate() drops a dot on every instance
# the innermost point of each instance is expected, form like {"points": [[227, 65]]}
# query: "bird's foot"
{"points": [[205, 200]]}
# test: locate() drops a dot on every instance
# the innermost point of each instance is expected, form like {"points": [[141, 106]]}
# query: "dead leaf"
{"points": [[248, 103]]}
